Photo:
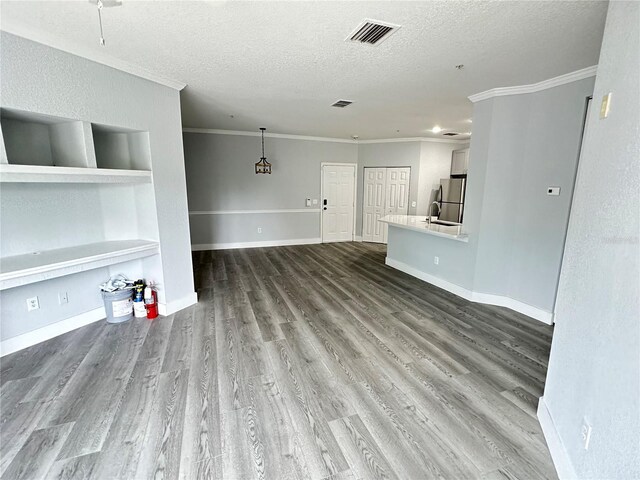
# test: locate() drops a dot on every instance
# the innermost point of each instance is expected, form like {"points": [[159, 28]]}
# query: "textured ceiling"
{"points": [[282, 64]]}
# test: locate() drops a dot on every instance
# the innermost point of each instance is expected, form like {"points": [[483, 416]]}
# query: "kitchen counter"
{"points": [[419, 224]]}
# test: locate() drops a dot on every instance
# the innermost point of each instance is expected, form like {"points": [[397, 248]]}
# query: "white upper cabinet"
{"points": [[460, 162]]}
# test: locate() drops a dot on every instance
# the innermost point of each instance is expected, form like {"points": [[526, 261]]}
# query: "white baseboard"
{"points": [[47, 332], [561, 460], [479, 297], [267, 243], [177, 305], [357, 238], [438, 282], [524, 308]]}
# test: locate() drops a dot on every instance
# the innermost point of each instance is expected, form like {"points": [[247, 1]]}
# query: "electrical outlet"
{"points": [[585, 433], [33, 304], [63, 297], [436, 260], [259, 229]]}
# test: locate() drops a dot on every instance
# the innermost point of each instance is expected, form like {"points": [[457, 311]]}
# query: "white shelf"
{"points": [[46, 174], [38, 266]]}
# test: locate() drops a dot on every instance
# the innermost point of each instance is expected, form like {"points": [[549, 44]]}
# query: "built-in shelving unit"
{"points": [[39, 148], [34, 267], [68, 181], [117, 148], [44, 140], [38, 174]]}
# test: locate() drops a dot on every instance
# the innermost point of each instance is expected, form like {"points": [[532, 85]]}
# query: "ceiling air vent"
{"points": [[450, 134], [342, 103], [372, 32]]}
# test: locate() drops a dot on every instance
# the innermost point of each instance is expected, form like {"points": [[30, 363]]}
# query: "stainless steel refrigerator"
{"points": [[451, 199]]}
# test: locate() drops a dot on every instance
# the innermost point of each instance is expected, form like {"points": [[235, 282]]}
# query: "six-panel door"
{"points": [[338, 187], [386, 192]]}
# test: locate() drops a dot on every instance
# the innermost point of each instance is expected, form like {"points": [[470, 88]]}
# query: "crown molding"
{"points": [[90, 54], [536, 87], [243, 133], [270, 135], [415, 139]]}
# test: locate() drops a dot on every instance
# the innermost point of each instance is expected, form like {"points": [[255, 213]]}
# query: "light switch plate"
{"points": [[413, 204], [315, 201], [308, 202], [553, 191], [604, 107]]}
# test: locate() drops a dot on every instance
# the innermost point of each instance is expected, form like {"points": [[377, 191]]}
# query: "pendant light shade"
{"points": [[263, 166]]}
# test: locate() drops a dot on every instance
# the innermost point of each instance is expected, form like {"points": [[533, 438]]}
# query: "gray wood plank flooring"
{"points": [[305, 362]]}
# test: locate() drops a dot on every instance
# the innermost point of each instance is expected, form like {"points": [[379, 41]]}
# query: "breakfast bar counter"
{"points": [[420, 224]]}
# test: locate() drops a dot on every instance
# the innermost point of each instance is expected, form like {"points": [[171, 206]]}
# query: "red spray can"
{"points": [[151, 302]]}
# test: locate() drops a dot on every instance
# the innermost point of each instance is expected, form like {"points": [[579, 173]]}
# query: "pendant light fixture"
{"points": [[104, 4], [263, 166]]}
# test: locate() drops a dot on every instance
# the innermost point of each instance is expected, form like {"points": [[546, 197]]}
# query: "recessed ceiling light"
{"points": [[469, 120], [436, 129], [467, 133]]}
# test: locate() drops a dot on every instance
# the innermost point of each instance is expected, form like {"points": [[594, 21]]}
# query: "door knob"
{"points": [[324, 208]]}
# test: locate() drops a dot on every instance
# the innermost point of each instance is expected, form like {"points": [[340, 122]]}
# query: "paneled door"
{"points": [[338, 202], [375, 180], [397, 191], [386, 192]]}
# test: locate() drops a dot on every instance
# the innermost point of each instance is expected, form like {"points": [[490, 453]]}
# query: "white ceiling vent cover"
{"points": [[372, 32]]}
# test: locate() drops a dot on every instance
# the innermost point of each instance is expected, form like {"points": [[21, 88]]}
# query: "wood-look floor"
{"points": [[298, 362]]}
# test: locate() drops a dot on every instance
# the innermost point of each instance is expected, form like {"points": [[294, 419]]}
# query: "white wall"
{"points": [[45, 80], [594, 368]]}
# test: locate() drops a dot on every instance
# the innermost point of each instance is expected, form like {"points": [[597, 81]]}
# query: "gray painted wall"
{"points": [[534, 143], [77, 88], [220, 177], [594, 369], [521, 145]]}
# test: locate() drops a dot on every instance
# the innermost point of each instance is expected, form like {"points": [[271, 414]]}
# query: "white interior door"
{"points": [[396, 195], [397, 191], [373, 207], [338, 204]]}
